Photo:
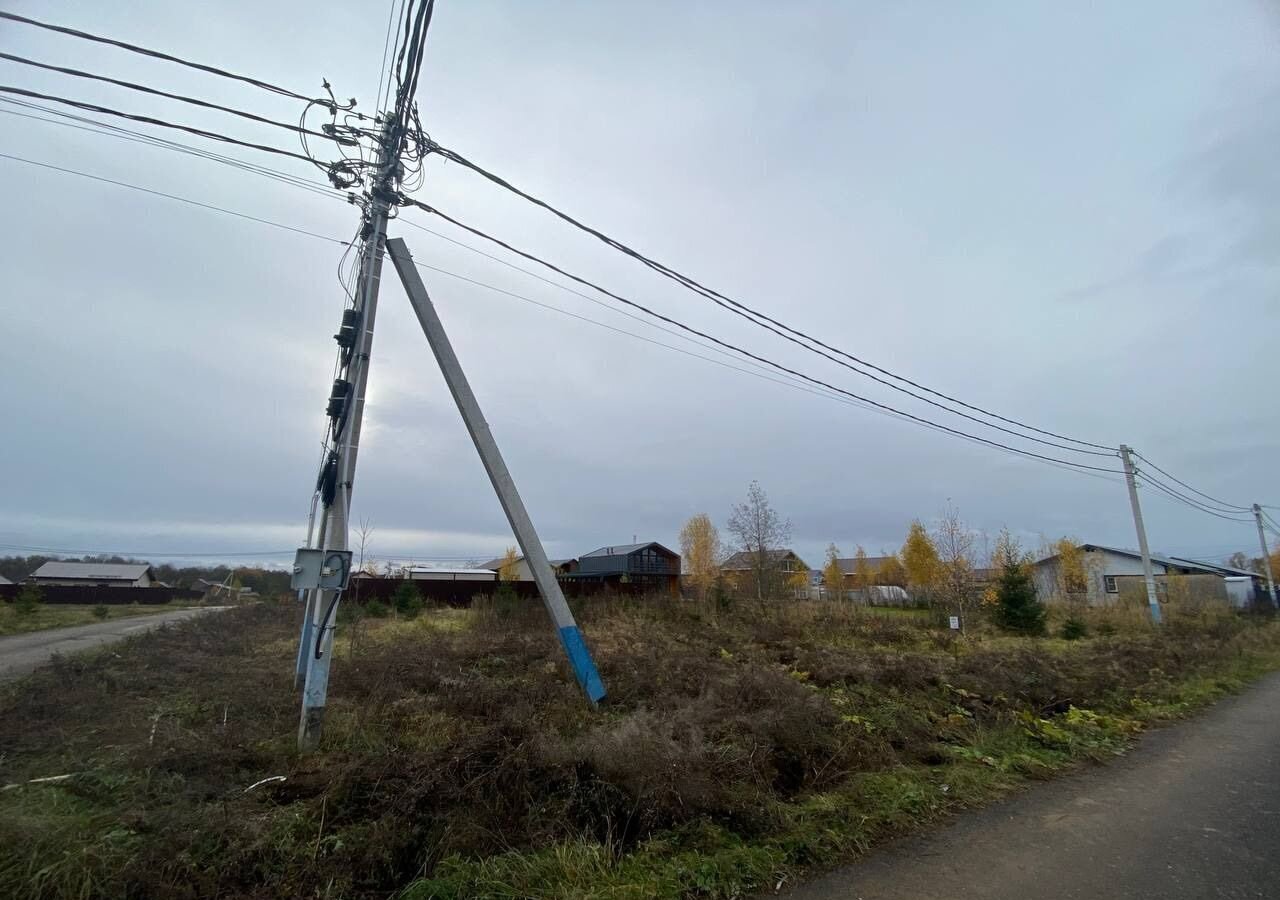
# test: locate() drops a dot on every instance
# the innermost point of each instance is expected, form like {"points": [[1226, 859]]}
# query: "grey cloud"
{"points": [[919, 189]]}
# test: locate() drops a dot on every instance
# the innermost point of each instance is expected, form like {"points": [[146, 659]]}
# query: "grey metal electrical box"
{"points": [[325, 569]]}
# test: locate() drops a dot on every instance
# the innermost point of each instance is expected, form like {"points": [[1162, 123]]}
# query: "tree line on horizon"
{"points": [[266, 582], [950, 565]]}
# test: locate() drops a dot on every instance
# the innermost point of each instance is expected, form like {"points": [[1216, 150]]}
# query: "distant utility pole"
{"points": [[347, 408], [1147, 574], [1266, 555]]}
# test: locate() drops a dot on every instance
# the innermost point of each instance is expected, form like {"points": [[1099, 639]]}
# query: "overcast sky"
{"points": [[1066, 213]]}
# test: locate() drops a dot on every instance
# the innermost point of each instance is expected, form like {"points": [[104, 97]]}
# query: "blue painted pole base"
{"points": [[583, 666]]}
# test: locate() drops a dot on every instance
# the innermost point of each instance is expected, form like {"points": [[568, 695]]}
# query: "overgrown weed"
{"points": [[736, 748]]}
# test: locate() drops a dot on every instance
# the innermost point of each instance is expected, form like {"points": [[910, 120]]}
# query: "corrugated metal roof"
{"points": [[624, 549], [1173, 561], [1228, 570], [4, 580], [97, 571]]}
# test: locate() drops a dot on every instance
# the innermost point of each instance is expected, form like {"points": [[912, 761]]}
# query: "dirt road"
{"points": [[20, 653], [1192, 812]]}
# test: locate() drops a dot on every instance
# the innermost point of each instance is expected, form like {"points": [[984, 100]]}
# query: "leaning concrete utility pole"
{"points": [[1147, 574], [1266, 555], [575, 647], [316, 643]]}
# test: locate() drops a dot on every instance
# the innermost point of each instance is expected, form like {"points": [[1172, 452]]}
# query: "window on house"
{"points": [[1109, 581]]}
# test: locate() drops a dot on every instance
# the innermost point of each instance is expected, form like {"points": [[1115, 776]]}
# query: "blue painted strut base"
{"points": [[583, 666]]}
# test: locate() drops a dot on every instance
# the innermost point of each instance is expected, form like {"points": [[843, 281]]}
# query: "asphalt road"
{"points": [[1192, 812], [21, 653]]}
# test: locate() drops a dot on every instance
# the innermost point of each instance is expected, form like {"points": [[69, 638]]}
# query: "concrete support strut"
{"points": [[575, 647]]}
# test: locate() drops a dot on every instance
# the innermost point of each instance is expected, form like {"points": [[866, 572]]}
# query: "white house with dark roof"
{"points": [[91, 574], [1109, 570]]}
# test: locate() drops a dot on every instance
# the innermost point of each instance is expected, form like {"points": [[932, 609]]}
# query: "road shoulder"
{"points": [[1192, 811]]}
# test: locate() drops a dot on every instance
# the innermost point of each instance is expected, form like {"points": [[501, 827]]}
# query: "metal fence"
{"points": [[461, 593], [92, 595]]}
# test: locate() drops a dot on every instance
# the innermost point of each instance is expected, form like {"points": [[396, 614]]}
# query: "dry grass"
{"points": [[461, 736]]}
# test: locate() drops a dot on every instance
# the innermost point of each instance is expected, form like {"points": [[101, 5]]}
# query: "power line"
{"points": [[824, 390], [1199, 504], [423, 265], [415, 41], [106, 129], [866, 404], [142, 88], [770, 376], [1183, 499], [187, 200], [392, 19], [569, 290], [134, 48], [748, 353], [898, 388], [135, 553], [200, 132], [1227, 507], [758, 371], [758, 318], [546, 306]]}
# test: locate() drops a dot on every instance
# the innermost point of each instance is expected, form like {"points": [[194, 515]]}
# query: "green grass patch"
{"points": [[63, 615]]}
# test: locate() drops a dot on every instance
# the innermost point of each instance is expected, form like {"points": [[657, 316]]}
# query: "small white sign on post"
{"points": [[955, 623]]}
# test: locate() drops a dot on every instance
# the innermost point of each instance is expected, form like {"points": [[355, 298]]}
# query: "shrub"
{"points": [[101, 611], [28, 600], [376, 609], [1074, 628], [407, 600], [1017, 607]]}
